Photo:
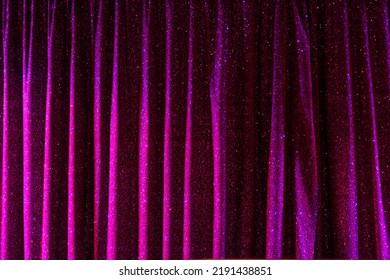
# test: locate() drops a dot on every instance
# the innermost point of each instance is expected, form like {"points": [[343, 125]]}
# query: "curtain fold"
{"points": [[145, 129]]}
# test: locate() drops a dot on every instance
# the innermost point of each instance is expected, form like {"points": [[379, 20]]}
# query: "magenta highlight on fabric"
{"points": [[4, 173], [216, 117], [188, 137], [167, 134], [144, 137], [97, 131], [195, 129], [47, 153], [113, 169], [27, 158]]}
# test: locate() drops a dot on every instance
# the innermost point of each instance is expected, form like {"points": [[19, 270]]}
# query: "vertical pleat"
{"points": [[173, 146], [218, 164], [56, 136], [103, 67], [349, 234], [263, 118], [4, 173], [382, 243], [167, 133], [277, 141], [247, 228], [317, 66], [367, 143], [12, 212], [377, 26], [129, 84], [188, 145], [305, 161], [1, 125], [204, 47], [71, 170], [80, 135], [144, 137], [34, 76], [47, 160], [97, 130], [341, 135], [27, 63], [112, 190]]}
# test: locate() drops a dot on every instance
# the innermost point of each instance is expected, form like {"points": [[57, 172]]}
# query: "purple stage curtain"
{"points": [[191, 129]]}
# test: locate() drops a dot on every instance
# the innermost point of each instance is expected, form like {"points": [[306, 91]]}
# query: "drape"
{"points": [[195, 129]]}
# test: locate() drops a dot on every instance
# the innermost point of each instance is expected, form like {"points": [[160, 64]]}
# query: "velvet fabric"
{"points": [[192, 129]]}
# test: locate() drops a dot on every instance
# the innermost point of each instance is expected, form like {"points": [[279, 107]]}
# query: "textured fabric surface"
{"points": [[162, 129]]}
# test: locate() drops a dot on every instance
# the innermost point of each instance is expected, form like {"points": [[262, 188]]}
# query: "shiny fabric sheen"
{"points": [[186, 129]]}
